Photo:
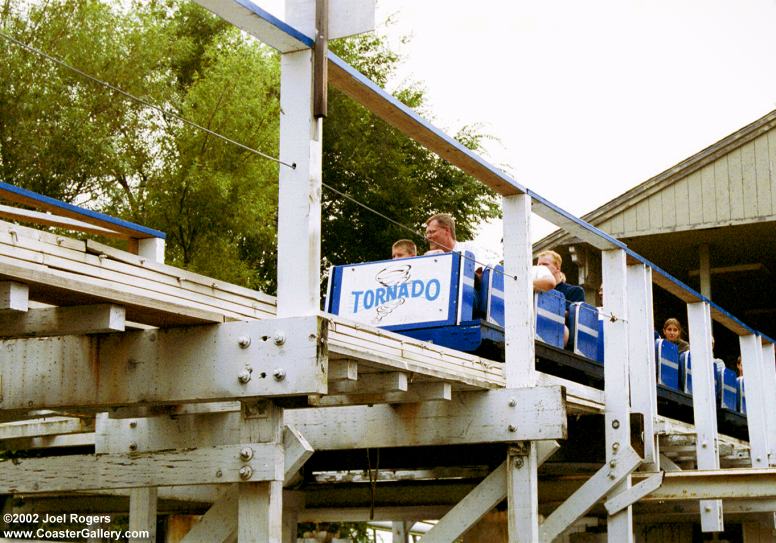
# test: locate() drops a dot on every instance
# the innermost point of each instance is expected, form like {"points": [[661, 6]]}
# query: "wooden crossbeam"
{"points": [[14, 296], [416, 392], [62, 321]]}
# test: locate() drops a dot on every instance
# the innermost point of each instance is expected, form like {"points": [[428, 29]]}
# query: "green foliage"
{"points": [[67, 137]]}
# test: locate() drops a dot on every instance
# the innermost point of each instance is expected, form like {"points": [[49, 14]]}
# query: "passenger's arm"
{"points": [[543, 279]]}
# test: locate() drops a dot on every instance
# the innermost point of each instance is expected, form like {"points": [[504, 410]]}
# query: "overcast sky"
{"points": [[586, 99]]}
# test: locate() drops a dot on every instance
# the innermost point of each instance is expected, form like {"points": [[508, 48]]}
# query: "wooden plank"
{"points": [[176, 365], [187, 278], [409, 123], [771, 136], [376, 384], [260, 512], [62, 321], [343, 370], [682, 202], [763, 174], [219, 524], [749, 177], [417, 392], [142, 513], [722, 189], [708, 195], [473, 417], [695, 196], [736, 185], [14, 296], [205, 465], [17, 231], [655, 212], [45, 427], [47, 219], [89, 266], [630, 220], [64, 288], [668, 205], [642, 211]]}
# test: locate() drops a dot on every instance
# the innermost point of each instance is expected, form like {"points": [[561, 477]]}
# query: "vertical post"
{"points": [[14, 296], [705, 269], [519, 367], [616, 382], [151, 249], [519, 320], [769, 382], [260, 505], [400, 531], [299, 198], [641, 345], [704, 405], [756, 393], [142, 513]]}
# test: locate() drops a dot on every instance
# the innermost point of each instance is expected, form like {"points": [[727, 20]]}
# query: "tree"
{"points": [[67, 137]]}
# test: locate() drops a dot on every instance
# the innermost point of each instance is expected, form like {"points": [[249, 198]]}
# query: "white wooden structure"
{"points": [[193, 391]]}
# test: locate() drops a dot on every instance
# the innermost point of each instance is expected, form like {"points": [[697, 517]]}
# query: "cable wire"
{"points": [[142, 101]]}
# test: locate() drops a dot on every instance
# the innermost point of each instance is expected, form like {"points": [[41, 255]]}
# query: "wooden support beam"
{"points": [[48, 426], [757, 412], [617, 503], [219, 524], [297, 451], [416, 392], [720, 484], [474, 417], [207, 465], [249, 359], [704, 405], [47, 219], [63, 321], [523, 493], [376, 383], [595, 488], [343, 370], [14, 296], [142, 513]]}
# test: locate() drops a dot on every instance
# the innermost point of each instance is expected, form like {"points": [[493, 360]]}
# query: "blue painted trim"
{"points": [[143, 230], [335, 286], [277, 23], [373, 87]]}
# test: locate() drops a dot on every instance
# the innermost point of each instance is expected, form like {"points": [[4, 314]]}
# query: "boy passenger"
{"points": [[404, 248]]}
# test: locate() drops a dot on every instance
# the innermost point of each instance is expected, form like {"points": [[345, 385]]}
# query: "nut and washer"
{"points": [[280, 338], [244, 342], [279, 374], [246, 472], [244, 376], [246, 453]]}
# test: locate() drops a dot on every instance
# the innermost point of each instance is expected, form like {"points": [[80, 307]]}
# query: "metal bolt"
{"points": [[512, 428], [279, 374], [704, 444], [512, 402], [612, 476], [219, 473], [133, 424], [244, 342], [244, 376], [707, 509], [132, 446], [518, 461], [615, 424], [246, 453], [246, 472], [613, 463], [616, 446], [280, 338]]}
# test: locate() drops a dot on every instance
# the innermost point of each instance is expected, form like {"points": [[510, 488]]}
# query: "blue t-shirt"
{"points": [[573, 293]]}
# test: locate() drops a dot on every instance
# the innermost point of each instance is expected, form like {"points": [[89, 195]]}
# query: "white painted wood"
{"points": [[177, 365], [695, 197], [708, 200], [642, 358], [297, 451], [704, 405], [299, 198], [736, 186], [61, 321], [375, 383], [293, 505], [756, 404], [416, 392], [151, 249], [343, 370], [769, 382], [207, 465], [400, 531], [722, 189], [725, 484], [580, 502], [47, 426], [219, 523], [617, 382], [763, 174], [142, 513], [14, 296], [48, 219], [473, 417], [617, 503], [523, 494], [668, 205], [260, 512], [260, 27], [749, 177], [519, 329]]}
